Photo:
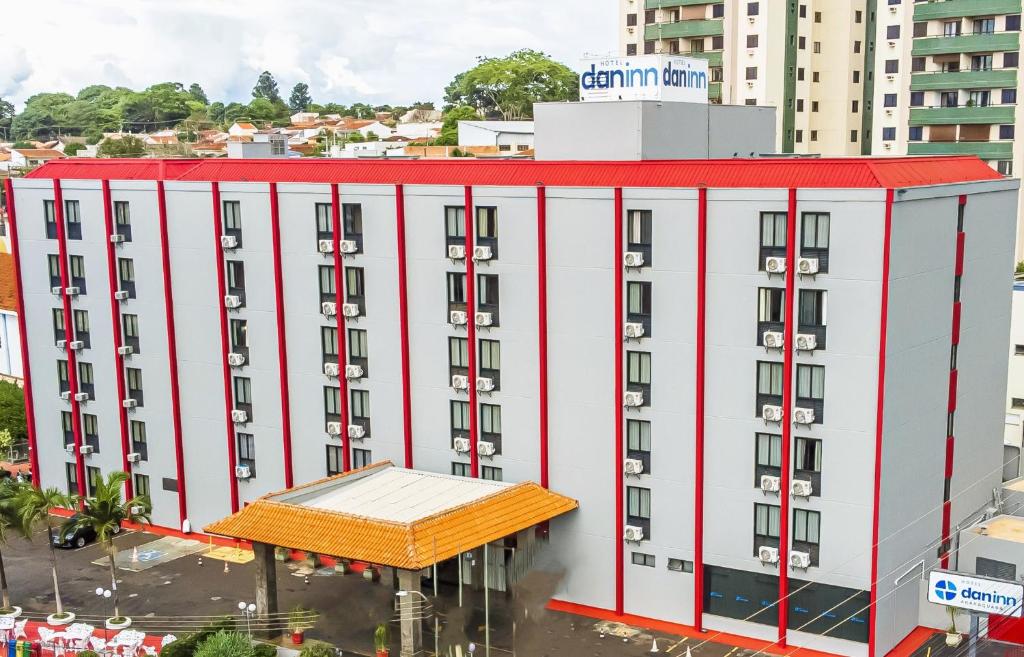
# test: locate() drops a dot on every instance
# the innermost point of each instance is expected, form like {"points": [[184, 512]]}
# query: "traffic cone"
{"points": [[654, 645], [226, 568], [135, 554], [688, 653]]}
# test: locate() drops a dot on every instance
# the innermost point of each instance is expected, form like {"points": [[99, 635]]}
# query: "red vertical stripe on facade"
{"points": [[339, 298], [948, 472], [26, 369], [282, 343], [883, 322], [787, 418], [403, 317], [618, 337], [698, 433], [222, 315], [960, 240], [956, 322], [952, 390], [115, 323], [474, 459], [172, 355], [69, 333], [542, 328]]}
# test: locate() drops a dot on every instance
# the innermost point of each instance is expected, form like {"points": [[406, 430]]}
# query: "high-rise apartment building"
{"points": [[810, 59]]}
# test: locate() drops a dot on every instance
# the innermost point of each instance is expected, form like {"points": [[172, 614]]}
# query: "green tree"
{"points": [[104, 513], [216, 112], [6, 115], [361, 111], [450, 128], [126, 146], [509, 86], [71, 148], [266, 87], [9, 521], [34, 507], [41, 116], [300, 98], [12, 409], [197, 92]]}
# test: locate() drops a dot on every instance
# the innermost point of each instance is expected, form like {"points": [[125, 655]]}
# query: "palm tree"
{"points": [[104, 512], [9, 520], [35, 506]]}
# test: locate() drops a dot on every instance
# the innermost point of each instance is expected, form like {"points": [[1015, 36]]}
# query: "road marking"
{"points": [[677, 644], [732, 651]]}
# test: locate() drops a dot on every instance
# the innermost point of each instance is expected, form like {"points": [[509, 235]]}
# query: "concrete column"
{"points": [[266, 582], [410, 611], [476, 573]]}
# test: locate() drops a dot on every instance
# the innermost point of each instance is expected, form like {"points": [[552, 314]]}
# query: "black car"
{"points": [[65, 537]]}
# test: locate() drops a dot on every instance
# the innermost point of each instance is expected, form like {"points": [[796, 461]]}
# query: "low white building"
{"points": [[353, 149], [262, 145], [424, 130], [508, 136]]}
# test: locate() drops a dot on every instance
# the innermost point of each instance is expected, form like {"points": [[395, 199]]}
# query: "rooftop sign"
{"points": [[982, 594], [645, 77]]}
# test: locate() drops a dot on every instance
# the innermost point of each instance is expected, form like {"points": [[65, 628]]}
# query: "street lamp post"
{"points": [[247, 609], [105, 594]]}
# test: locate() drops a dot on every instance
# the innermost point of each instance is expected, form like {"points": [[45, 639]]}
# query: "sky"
{"points": [[394, 52]]}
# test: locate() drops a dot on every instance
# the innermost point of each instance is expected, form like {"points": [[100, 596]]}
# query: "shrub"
{"points": [[225, 644], [88, 653], [318, 649], [187, 645]]}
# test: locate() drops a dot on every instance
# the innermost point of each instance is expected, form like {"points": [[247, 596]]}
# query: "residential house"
{"points": [[508, 136], [242, 129]]}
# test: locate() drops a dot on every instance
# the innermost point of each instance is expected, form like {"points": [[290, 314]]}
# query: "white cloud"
{"points": [[346, 50]]}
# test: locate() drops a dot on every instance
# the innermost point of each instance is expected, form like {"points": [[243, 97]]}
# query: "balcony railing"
{"points": [[974, 43], [986, 150], [990, 114], [941, 80], [926, 11], [665, 4], [683, 28]]}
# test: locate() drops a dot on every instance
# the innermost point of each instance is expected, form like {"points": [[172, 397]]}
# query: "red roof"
{"points": [[738, 173]]}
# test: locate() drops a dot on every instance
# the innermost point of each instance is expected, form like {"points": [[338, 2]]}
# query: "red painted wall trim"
{"points": [[952, 390], [403, 317], [787, 418], [26, 369], [172, 354], [222, 315], [282, 344], [542, 327], [469, 216], [960, 239], [883, 322], [698, 434], [948, 472], [115, 321], [956, 322], [339, 298], [618, 337], [69, 333]]}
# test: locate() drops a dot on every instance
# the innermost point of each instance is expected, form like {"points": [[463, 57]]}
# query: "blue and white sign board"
{"points": [[645, 77], [973, 593]]}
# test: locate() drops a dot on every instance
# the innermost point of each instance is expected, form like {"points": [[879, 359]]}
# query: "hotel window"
{"points": [[984, 25], [1013, 23], [487, 296], [67, 424], [63, 382], [892, 32], [335, 460], [352, 223], [814, 108], [236, 279], [138, 436], [853, 136], [771, 311], [357, 351], [751, 73], [649, 47], [856, 47], [638, 442], [814, 238], [630, 49], [816, 76], [638, 374], [807, 532], [92, 477], [90, 426], [799, 104], [638, 233], [888, 134], [86, 383], [133, 379], [810, 389], [73, 219], [324, 223], [461, 469], [82, 326], [811, 314], [243, 396], [460, 419], [680, 565], [814, 135], [490, 361], [638, 509], [454, 226], [631, 20], [807, 463], [130, 332], [773, 237], [892, 66], [53, 264], [122, 220], [456, 291], [360, 400], [355, 291], [238, 330], [247, 452], [233, 220], [332, 405], [769, 385], [638, 304], [1006, 131], [329, 344], [803, 11], [1005, 167], [458, 356], [753, 9], [817, 47], [490, 473], [1009, 96], [718, 10], [717, 43], [766, 526], [361, 458], [58, 325], [916, 98], [51, 220], [487, 228], [801, 43], [142, 486], [889, 100], [71, 474], [981, 62], [951, 28], [327, 289], [1010, 59], [641, 559], [917, 64], [77, 266], [126, 276], [767, 456], [751, 40], [490, 425]]}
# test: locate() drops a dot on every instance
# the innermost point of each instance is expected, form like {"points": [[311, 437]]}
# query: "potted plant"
{"points": [[953, 638], [300, 619], [343, 567], [282, 553], [312, 559], [382, 640], [35, 506]]}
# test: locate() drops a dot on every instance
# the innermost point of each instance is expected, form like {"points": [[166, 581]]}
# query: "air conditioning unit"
{"points": [[85, 450], [460, 382], [331, 369], [350, 309], [483, 319], [126, 350], [325, 246], [134, 457], [348, 246], [806, 341], [771, 413], [801, 488], [129, 403], [76, 345], [751, 19], [892, 9], [803, 415], [890, 77], [768, 554], [800, 560], [633, 259], [121, 295], [353, 371], [484, 384], [807, 266], [70, 449], [775, 265], [482, 253], [62, 344], [66, 395], [770, 484], [116, 238], [56, 291], [773, 339], [236, 360], [239, 416], [243, 472], [634, 330], [356, 431], [81, 396], [633, 534], [633, 399], [328, 308], [484, 448], [892, 44], [334, 428], [461, 445], [456, 252], [72, 291], [458, 317], [633, 466], [228, 242], [887, 146], [232, 301]]}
